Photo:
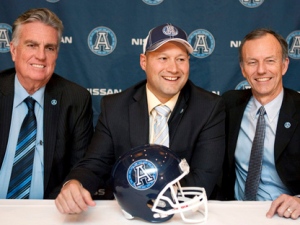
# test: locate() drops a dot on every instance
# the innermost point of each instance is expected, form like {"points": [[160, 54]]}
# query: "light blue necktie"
{"points": [[20, 179], [161, 129], [255, 163]]}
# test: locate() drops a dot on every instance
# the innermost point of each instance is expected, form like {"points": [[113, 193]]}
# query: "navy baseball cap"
{"points": [[163, 34]]}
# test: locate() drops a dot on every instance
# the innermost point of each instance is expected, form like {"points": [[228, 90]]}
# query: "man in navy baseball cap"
{"points": [[163, 34], [166, 109]]}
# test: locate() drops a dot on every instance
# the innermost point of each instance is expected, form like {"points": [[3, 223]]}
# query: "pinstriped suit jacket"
{"points": [[67, 126]]}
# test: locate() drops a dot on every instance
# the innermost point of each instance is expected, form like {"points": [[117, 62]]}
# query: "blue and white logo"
{"points": [[203, 43], [5, 33], [142, 174], [52, 1], [243, 85], [252, 3], [153, 2], [293, 41], [102, 41], [287, 125], [170, 30]]}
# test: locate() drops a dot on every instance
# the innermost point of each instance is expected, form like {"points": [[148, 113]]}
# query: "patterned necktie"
{"points": [[20, 179], [161, 129], [255, 164]]}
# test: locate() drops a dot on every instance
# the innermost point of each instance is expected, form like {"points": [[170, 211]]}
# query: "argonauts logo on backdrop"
{"points": [[102, 41], [203, 43], [243, 85], [52, 1], [252, 3], [293, 41], [5, 33], [153, 2]]}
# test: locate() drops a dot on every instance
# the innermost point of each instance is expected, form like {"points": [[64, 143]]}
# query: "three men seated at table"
{"points": [[261, 125]]}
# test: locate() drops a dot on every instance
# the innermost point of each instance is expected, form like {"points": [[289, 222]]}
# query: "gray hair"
{"points": [[258, 33], [42, 15]]}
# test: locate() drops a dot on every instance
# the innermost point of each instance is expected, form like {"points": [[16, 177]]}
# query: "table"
{"points": [[44, 212]]}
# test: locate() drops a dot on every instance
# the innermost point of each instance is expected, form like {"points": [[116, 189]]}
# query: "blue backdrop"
{"points": [[102, 39]]}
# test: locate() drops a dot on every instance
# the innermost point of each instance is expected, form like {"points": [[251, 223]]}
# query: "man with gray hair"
{"points": [[45, 120]]}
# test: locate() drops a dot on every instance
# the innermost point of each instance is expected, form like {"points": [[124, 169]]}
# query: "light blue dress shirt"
{"points": [[18, 114], [270, 186]]}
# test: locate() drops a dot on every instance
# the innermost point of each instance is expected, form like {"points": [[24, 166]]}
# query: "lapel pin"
{"points": [[53, 102], [181, 111], [287, 125]]}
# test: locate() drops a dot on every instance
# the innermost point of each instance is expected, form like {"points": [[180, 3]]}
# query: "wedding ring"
{"points": [[289, 210]]}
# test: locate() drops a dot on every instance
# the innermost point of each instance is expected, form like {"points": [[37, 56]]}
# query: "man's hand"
{"points": [[285, 206], [73, 198]]}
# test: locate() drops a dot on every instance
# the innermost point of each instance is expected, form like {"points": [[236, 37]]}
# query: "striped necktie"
{"points": [[20, 179], [255, 163], [161, 129]]}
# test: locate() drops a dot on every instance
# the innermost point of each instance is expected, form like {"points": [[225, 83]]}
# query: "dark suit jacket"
{"points": [[67, 126], [196, 130], [287, 140]]}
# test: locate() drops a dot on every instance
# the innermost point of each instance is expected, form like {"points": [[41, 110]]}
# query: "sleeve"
{"points": [[208, 150]]}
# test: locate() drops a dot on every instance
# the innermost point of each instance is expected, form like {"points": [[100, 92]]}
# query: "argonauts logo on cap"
{"points": [[170, 30], [163, 34], [252, 3], [203, 43], [142, 174], [153, 2], [293, 41], [5, 33], [102, 41]]}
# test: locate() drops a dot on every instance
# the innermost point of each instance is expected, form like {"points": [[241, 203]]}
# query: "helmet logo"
{"points": [[142, 174]]}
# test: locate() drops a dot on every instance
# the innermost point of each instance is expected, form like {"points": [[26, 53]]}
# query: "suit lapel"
{"points": [[139, 119], [286, 124], [177, 113], [235, 115], [6, 106], [52, 101]]}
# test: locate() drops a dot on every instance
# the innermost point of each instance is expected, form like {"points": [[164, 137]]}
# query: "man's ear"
{"points": [[285, 66], [143, 62], [242, 69], [12, 51]]}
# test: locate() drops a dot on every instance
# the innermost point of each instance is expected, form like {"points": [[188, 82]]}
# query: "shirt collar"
{"points": [[272, 108], [21, 94], [153, 101]]}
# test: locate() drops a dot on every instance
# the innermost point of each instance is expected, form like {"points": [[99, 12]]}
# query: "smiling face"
{"points": [[263, 67], [35, 53], [167, 70]]}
